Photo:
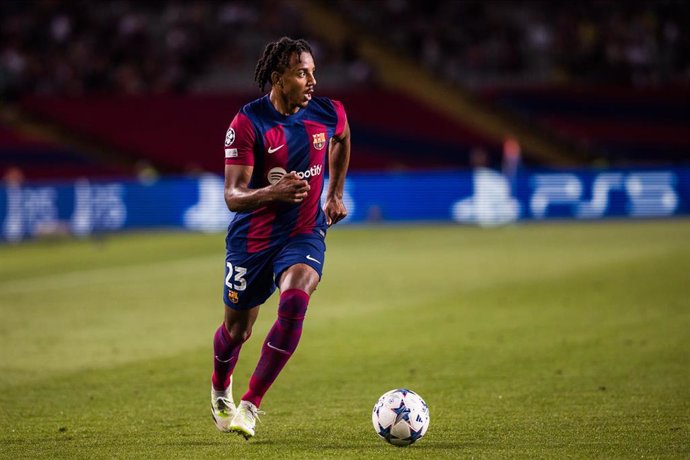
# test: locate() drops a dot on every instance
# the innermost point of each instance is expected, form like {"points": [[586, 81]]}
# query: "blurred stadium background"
{"points": [[495, 111]]}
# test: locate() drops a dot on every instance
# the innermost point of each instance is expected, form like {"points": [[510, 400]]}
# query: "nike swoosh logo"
{"points": [[285, 352], [271, 150], [227, 361], [309, 257]]}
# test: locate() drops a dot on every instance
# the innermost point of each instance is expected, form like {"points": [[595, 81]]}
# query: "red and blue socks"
{"points": [[225, 350], [280, 343]]}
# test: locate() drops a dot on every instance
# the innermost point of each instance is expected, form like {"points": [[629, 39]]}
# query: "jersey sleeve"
{"points": [[342, 117], [239, 142]]}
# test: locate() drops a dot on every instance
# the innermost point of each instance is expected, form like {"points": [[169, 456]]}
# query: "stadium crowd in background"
{"points": [[479, 42], [77, 47]]}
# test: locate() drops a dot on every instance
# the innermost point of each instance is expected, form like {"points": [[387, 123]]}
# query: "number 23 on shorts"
{"points": [[240, 284]]}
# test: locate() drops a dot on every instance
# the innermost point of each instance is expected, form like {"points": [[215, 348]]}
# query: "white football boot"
{"points": [[244, 421], [222, 408]]}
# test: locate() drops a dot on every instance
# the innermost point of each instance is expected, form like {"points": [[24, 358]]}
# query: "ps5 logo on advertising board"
{"points": [[81, 209], [649, 194]]}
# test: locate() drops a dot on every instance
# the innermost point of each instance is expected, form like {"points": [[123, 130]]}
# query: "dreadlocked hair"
{"points": [[276, 58]]}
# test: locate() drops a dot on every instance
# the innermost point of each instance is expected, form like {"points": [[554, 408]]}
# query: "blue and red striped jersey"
{"points": [[275, 144]]}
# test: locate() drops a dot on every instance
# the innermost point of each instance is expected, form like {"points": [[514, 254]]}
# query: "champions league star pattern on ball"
{"points": [[275, 144], [401, 417]]}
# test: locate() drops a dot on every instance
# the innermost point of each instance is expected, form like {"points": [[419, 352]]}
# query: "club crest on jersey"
{"points": [[233, 296], [319, 140], [229, 136]]}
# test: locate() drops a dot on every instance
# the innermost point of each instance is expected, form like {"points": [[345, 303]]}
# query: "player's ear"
{"points": [[275, 79]]}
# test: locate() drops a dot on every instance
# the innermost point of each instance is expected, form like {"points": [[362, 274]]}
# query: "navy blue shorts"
{"points": [[250, 279]]}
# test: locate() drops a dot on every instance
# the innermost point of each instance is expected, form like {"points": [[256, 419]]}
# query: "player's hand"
{"points": [[291, 188], [335, 210]]}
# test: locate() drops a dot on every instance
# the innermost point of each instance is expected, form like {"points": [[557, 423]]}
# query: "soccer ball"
{"points": [[401, 417]]}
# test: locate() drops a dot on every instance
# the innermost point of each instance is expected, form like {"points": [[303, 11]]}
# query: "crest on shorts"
{"points": [[229, 136], [233, 296], [319, 140]]}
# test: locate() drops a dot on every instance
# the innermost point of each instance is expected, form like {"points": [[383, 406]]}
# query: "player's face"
{"points": [[299, 81]]}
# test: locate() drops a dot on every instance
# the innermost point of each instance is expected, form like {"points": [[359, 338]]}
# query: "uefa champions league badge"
{"points": [[229, 136]]}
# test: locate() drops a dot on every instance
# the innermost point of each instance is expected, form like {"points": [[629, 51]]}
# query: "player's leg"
{"points": [[297, 284], [297, 271], [248, 283], [227, 343]]}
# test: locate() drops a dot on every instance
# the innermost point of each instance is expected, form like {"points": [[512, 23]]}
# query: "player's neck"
{"points": [[281, 104]]}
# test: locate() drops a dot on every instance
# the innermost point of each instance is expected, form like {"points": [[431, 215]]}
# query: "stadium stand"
{"points": [[159, 80], [608, 78], [478, 43], [41, 156], [183, 133], [621, 127]]}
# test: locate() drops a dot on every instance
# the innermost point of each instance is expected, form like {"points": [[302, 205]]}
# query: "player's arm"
{"points": [[240, 198], [338, 162]]}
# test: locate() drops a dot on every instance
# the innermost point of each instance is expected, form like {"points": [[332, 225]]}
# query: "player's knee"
{"points": [[245, 334], [293, 305], [239, 333]]}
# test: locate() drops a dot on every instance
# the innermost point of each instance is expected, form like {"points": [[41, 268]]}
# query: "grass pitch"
{"points": [[552, 340]]}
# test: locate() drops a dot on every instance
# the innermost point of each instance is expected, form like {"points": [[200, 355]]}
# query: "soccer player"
{"points": [[275, 155]]}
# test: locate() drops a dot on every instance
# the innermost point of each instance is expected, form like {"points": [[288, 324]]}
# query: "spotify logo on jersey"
{"points": [[276, 173]]}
